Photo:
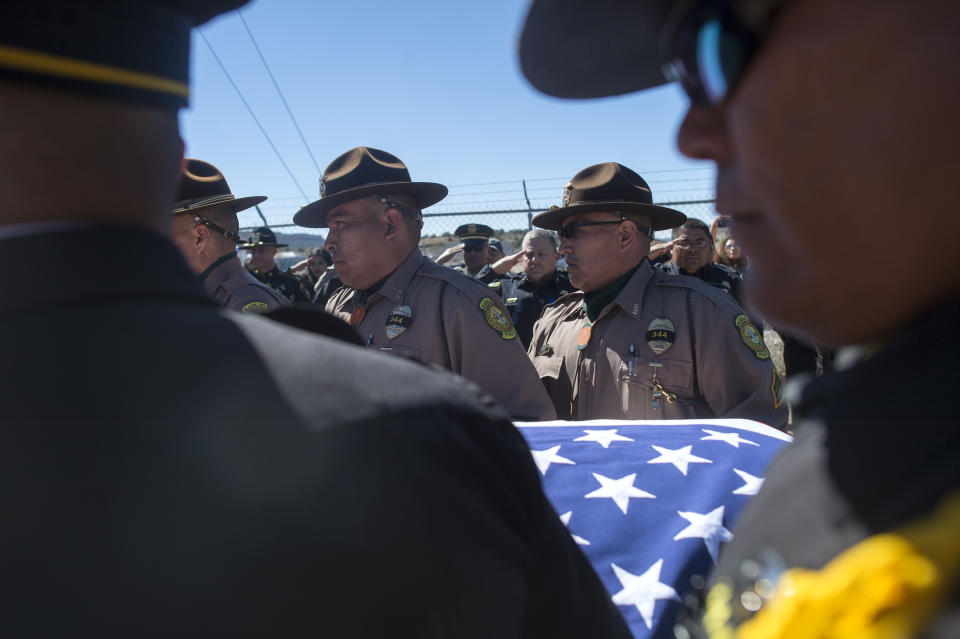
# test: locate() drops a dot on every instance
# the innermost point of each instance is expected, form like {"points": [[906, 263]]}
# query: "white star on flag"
{"points": [[642, 591], [543, 458], [602, 437], [681, 457], [619, 490], [751, 484], [733, 439], [708, 527], [565, 518]]}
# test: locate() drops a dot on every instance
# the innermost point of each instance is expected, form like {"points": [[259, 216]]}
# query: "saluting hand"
{"points": [[504, 264], [447, 255]]}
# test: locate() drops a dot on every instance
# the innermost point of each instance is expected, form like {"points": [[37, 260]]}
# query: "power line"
{"points": [[252, 115], [280, 93]]}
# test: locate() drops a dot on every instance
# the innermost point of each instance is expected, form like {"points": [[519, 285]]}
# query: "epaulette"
{"points": [[564, 305], [715, 294], [461, 281]]}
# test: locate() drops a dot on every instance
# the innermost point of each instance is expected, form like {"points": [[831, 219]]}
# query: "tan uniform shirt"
{"points": [[231, 285], [712, 361], [431, 313]]}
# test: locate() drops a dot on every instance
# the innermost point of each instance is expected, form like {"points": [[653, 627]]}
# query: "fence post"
{"points": [[529, 208]]}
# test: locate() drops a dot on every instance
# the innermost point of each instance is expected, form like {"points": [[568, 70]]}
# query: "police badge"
{"points": [[660, 335], [399, 321], [323, 185], [567, 192]]}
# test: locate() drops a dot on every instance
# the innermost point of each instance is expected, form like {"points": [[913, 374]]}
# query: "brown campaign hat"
{"points": [[261, 236], [595, 48], [609, 187], [134, 50], [202, 186], [361, 172]]}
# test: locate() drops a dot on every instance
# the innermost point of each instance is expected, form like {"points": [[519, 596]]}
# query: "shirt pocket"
{"points": [[675, 376], [548, 367]]}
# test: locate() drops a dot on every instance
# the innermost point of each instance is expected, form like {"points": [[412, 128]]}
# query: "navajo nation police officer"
{"points": [[402, 302], [820, 115], [263, 247], [474, 245], [204, 228], [637, 343]]}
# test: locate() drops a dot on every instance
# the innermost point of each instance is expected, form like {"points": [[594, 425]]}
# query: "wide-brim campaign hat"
{"points": [[595, 48], [473, 234], [609, 187], [202, 186], [361, 172], [261, 236], [137, 51]]}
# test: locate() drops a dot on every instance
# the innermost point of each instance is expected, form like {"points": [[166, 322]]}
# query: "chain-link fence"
{"points": [[507, 207]]}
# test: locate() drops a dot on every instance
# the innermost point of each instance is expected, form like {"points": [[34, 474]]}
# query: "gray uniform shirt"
{"points": [[232, 286], [434, 314], [668, 347]]}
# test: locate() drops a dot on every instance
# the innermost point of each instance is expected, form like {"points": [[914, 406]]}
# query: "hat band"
{"points": [[582, 202], [47, 64], [217, 199], [361, 186]]}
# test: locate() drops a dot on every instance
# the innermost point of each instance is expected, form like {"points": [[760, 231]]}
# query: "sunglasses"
{"points": [[468, 249], [569, 231], [710, 47]]}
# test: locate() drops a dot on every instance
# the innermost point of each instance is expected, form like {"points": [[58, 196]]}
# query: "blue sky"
{"points": [[435, 83]]}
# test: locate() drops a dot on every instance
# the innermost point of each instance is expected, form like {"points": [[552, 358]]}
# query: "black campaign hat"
{"points": [[135, 49], [202, 186], [361, 172], [262, 236], [473, 234], [609, 187], [580, 49]]}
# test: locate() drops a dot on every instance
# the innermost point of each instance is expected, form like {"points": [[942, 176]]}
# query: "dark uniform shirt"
{"points": [[169, 464], [525, 298], [876, 449], [290, 286], [719, 275]]}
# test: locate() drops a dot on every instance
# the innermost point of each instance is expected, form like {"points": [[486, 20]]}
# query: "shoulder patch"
{"points": [[751, 336], [496, 320], [255, 307]]}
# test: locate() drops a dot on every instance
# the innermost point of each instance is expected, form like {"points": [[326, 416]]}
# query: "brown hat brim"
{"points": [[247, 247], [314, 215], [576, 49], [661, 218], [237, 204]]}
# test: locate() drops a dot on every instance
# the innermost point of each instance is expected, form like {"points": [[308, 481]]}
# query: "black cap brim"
{"points": [[596, 48], [314, 215], [661, 218]]}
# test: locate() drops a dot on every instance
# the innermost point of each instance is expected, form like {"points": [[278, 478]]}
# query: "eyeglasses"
{"points": [[569, 231], [467, 249], [710, 47], [687, 244], [216, 228]]}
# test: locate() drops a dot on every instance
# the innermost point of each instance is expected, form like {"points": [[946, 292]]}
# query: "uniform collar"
{"points": [[119, 263], [216, 265], [397, 284], [631, 295]]}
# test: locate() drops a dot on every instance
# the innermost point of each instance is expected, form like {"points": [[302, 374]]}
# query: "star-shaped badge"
{"points": [[643, 591], [543, 458], [733, 439], [603, 437], [681, 458], [619, 490], [708, 527]]}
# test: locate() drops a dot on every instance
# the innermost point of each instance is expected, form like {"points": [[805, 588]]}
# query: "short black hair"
{"points": [[690, 224]]}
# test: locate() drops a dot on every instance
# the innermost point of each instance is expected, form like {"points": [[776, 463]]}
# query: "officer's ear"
{"points": [[201, 236], [627, 235], [393, 220]]}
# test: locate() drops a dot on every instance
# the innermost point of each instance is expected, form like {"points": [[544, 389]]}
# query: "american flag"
{"points": [[651, 503]]}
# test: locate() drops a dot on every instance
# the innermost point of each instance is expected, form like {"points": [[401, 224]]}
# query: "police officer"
{"points": [[404, 303], [854, 532], [171, 464], [541, 283], [263, 247], [637, 343], [205, 228], [494, 250], [474, 245], [692, 253], [311, 269]]}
